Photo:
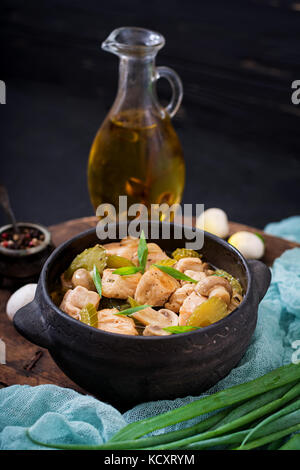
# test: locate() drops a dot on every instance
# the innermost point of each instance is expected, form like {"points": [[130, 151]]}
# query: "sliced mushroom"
{"points": [[162, 317], [192, 264], [171, 317], [215, 286], [155, 330], [82, 277]]}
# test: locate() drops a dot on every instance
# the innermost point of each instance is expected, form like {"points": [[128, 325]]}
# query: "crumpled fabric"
{"points": [[59, 415]]}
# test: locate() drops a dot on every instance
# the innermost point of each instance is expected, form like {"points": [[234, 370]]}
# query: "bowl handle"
{"points": [[261, 275], [29, 322]]}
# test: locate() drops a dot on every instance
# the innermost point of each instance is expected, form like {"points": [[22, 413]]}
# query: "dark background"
{"points": [[238, 127]]}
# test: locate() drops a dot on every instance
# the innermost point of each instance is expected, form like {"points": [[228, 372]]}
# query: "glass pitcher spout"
{"points": [[134, 41], [136, 151]]}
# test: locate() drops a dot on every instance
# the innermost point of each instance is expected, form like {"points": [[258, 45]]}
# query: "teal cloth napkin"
{"points": [[60, 415]]}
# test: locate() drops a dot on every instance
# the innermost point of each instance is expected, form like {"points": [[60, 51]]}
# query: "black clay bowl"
{"points": [[125, 370]]}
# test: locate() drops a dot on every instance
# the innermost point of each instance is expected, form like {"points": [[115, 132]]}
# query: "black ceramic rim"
{"points": [[58, 251]]}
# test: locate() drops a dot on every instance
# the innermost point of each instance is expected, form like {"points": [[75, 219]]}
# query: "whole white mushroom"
{"points": [[215, 221], [18, 299], [249, 244]]}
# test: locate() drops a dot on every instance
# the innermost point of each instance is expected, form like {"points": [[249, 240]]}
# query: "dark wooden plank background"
{"points": [[238, 126]]}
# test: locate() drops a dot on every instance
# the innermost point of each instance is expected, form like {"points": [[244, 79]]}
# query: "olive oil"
{"points": [[138, 154]]}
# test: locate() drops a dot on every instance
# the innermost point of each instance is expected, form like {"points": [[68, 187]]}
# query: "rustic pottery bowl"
{"points": [[18, 267], [125, 370]]}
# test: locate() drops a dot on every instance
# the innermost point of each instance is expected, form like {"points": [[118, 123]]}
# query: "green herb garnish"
{"points": [[131, 310], [142, 253], [127, 270], [175, 273], [97, 280], [180, 329]]}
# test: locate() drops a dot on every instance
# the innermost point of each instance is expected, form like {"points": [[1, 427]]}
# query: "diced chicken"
{"points": [[74, 300], [127, 249], [119, 287], [129, 241], [178, 297], [155, 254], [162, 317], [155, 287], [188, 306], [197, 275], [191, 264], [108, 321]]}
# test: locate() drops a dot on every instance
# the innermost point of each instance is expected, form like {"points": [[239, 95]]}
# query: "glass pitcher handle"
{"points": [[176, 85]]}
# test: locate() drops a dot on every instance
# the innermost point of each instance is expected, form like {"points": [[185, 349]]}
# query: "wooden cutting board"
{"points": [[29, 364]]}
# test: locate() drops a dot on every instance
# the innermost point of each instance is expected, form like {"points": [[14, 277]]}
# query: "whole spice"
{"points": [[28, 237]]}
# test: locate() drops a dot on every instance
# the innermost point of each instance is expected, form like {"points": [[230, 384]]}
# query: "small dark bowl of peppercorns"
{"points": [[23, 253]]}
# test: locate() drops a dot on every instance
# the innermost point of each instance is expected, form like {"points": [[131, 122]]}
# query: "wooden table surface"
{"points": [[29, 364]]}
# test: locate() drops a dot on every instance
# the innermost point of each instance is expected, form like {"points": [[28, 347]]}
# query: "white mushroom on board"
{"points": [[19, 299], [215, 221], [251, 245]]}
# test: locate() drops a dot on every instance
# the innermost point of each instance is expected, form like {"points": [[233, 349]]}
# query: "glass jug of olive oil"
{"points": [[136, 151]]}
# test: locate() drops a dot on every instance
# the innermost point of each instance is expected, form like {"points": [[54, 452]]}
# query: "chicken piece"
{"points": [[75, 299], [162, 317], [197, 275], [155, 288], [155, 254], [129, 241], [188, 306], [127, 250], [119, 287], [192, 264], [178, 297], [108, 321]]}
